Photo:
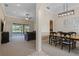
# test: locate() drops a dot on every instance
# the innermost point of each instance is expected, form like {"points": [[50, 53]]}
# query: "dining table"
{"points": [[76, 38]]}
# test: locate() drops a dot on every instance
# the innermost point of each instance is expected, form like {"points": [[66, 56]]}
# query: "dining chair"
{"points": [[67, 42], [73, 34], [53, 38], [50, 37], [57, 38]]}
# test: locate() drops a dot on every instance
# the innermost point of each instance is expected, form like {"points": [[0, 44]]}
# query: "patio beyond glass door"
{"points": [[18, 31], [20, 28], [17, 28]]}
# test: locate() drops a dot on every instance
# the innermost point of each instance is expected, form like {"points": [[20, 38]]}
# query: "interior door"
{"points": [[51, 25]]}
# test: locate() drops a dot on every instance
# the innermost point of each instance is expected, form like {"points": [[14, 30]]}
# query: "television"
{"points": [[2, 26]]}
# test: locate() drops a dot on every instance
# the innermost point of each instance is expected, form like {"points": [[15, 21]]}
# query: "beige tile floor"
{"points": [[51, 50], [17, 47]]}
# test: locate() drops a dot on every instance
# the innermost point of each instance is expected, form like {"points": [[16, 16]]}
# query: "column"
{"points": [[38, 30]]}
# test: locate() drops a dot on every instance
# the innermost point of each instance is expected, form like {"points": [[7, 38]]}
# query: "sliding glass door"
{"points": [[17, 28], [26, 28], [20, 28]]}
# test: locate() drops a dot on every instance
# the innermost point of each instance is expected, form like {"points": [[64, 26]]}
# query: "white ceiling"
{"points": [[20, 9], [56, 8]]}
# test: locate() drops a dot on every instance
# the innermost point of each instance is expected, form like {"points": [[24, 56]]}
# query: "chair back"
{"points": [[73, 34]]}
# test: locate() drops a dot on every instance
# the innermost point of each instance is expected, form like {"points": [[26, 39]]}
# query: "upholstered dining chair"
{"points": [[67, 42], [59, 37], [73, 34], [53, 38], [56, 38]]}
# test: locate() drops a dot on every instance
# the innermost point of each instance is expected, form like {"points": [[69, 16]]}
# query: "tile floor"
{"points": [[17, 47], [51, 50]]}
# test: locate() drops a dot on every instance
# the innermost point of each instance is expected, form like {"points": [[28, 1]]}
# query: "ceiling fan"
{"points": [[27, 17]]}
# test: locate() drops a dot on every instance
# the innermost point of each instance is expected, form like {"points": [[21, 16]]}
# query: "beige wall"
{"points": [[41, 26], [10, 20], [1, 18], [45, 17], [44, 22], [67, 23]]}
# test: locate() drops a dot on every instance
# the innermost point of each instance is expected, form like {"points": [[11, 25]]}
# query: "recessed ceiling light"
{"points": [[18, 4]]}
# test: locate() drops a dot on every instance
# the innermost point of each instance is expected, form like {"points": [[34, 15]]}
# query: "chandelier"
{"points": [[66, 11]]}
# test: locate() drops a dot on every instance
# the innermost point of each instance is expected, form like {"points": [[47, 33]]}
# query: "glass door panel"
{"points": [[26, 28], [17, 28], [20, 28]]}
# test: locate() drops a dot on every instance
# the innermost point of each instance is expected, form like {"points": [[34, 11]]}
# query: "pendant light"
{"points": [[66, 11]]}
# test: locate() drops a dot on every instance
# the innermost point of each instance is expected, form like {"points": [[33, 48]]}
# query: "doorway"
{"points": [[18, 31], [51, 25]]}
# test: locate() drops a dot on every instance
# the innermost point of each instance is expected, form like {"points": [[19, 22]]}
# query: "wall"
{"points": [[45, 16], [67, 23], [42, 25], [10, 20], [1, 18], [44, 20]]}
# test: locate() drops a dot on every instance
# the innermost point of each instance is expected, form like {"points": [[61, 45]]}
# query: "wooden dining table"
{"points": [[72, 37], [63, 36], [76, 38]]}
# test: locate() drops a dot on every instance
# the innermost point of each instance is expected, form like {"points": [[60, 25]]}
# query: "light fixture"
{"points": [[70, 12], [27, 17], [66, 12]]}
